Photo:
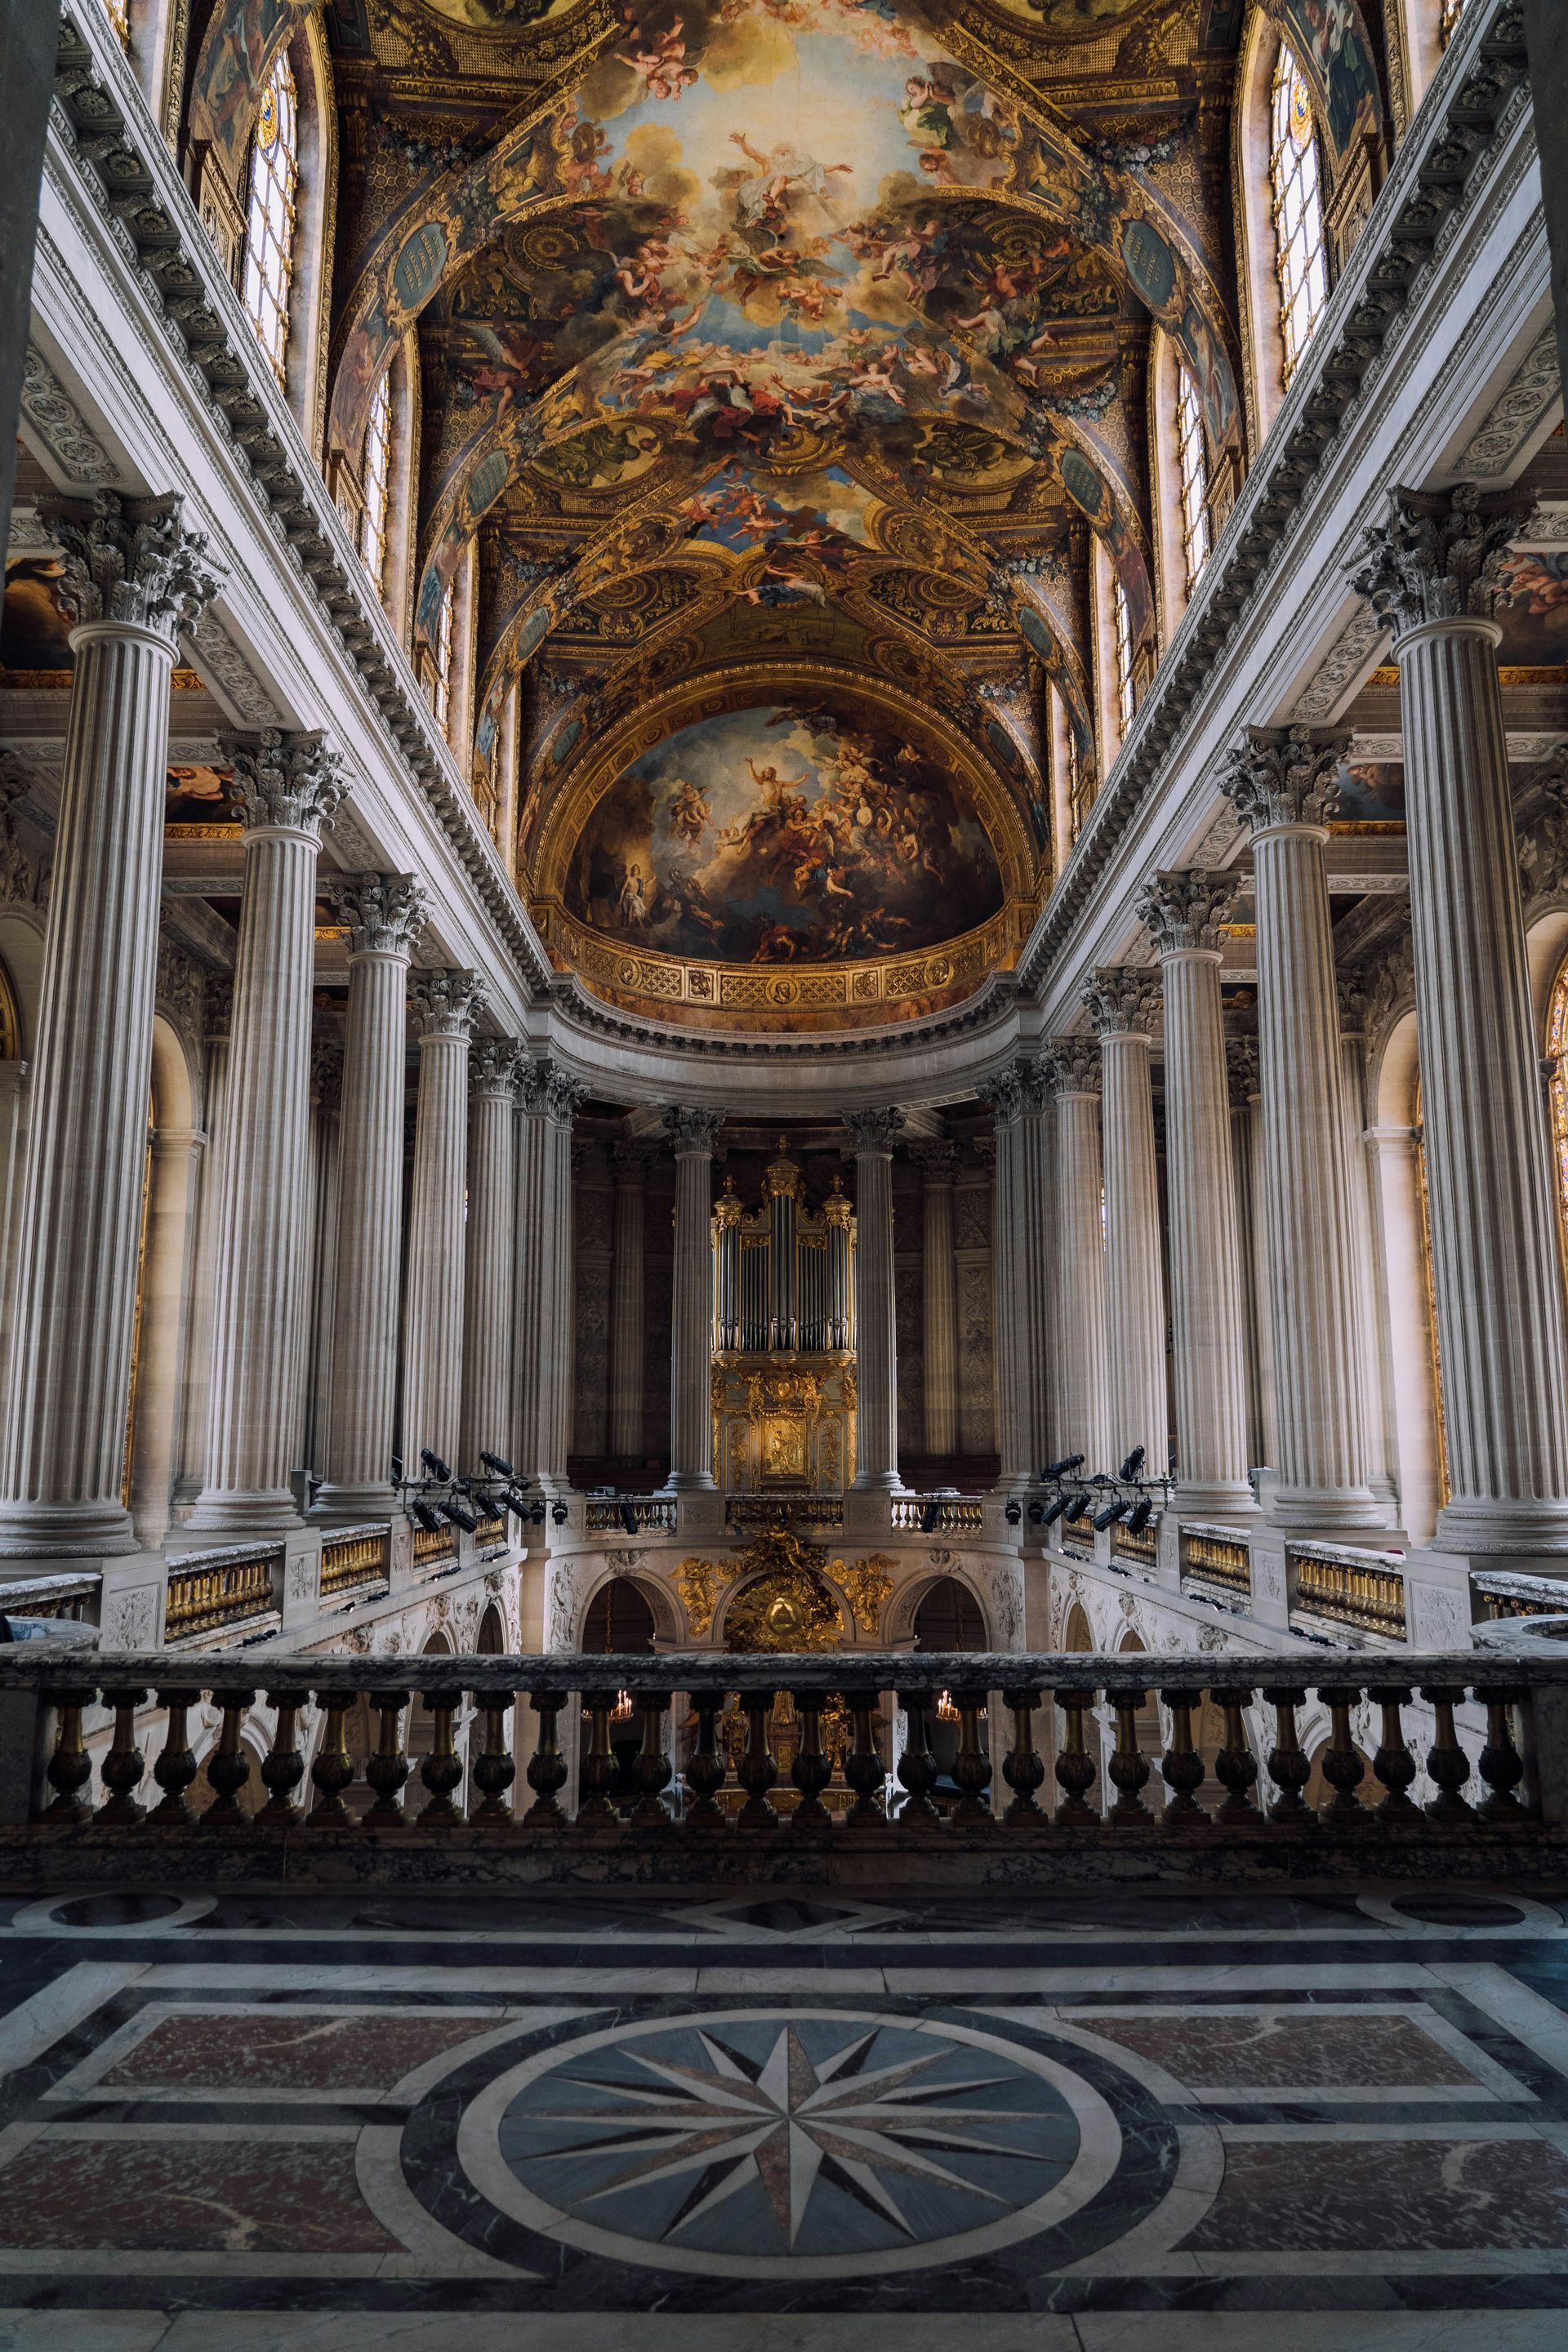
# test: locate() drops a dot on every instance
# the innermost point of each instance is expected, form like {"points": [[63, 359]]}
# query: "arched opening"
{"points": [[948, 1617], [619, 1621], [1276, 164], [1077, 1638], [491, 1643]]}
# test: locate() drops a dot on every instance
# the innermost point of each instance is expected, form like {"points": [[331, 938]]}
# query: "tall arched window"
{"points": [[377, 482], [443, 655], [1192, 455], [1123, 622], [1298, 202], [269, 228]]}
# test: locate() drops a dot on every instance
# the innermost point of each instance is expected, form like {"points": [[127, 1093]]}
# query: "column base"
{"points": [[343, 1506], [879, 1482], [1326, 1511], [65, 1530], [1219, 1498], [1508, 1530], [238, 1517], [690, 1482]]}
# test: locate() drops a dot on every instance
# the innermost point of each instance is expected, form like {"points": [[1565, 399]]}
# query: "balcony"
{"points": [[1339, 1587]]}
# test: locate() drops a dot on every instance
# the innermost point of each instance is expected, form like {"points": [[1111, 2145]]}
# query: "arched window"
{"points": [[1192, 457], [269, 228], [1298, 202], [377, 483], [443, 655], [1122, 621]]}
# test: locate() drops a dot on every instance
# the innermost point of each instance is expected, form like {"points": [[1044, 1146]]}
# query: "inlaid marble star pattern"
{"points": [[806, 2136]]}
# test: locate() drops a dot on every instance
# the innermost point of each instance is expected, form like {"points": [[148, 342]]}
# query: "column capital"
{"points": [[326, 1069], [562, 1095], [631, 1158], [692, 1130], [130, 560], [1023, 1086], [384, 912], [290, 780], [1121, 1000], [937, 1160], [492, 1065], [1284, 776], [874, 1131], [445, 1004], [1241, 1068], [1354, 1005], [1439, 555], [1075, 1066], [218, 1004], [1186, 909]]}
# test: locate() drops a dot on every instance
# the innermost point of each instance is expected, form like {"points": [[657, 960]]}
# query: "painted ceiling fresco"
{"points": [[785, 833]]}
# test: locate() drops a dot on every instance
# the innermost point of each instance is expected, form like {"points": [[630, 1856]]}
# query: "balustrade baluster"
{"points": [[1447, 1766], [1181, 1766], [1022, 1767], [652, 1770], [863, 1767], [69, 1767], [441, 1772], [1236, 1767], [811, 1767], [122, 1770], [1342, 1766], [332, 1766], [917, 1765], [228, 1766], [283, 1767], [1128, 1767], [1502, 1766], [1290, 1766], [758, 1768], [1394, 1764], [547, 1767], [495, 1767], [176, 1766], [387, 1768], [1076, 1772], [972, 1765], [706, 1768]]}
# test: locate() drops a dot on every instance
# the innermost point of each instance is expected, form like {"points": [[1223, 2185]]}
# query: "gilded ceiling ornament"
{"points": [[782, 1601], [1441, 555]]}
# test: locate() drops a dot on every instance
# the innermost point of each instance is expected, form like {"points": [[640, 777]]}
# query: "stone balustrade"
{"points": [[631, 1515], [1345, 1586]]}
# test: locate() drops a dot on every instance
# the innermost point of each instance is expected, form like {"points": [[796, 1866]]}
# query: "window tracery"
{"points": [[377, 482], [1122, 624], [1192, 457], [269, 224], [1297, 209], [444, 619]]}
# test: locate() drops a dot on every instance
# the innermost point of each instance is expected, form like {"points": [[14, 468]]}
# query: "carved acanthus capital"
{"points": [[1352, 1001], [937, 1160], [1439, 555], [691, 1130], [292, 781], [1122, 1002], [384, 912], [492, 1065], [1241, 1066], [218, 1016], [326, 1069], [1075, 1066], [1285, 775], [562, 1095], [874, 1131], [1186, 910], [631, 1158], [445, 1004], [1005, 1094], [129, 559]]}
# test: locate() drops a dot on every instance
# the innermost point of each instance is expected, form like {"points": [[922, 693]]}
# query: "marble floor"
{"points": [[1310, 2120]]}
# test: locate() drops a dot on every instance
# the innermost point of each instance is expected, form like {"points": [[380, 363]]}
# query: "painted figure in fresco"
{"points": [[1330, 30], [661, 68], [763, 197], [689, 814]]}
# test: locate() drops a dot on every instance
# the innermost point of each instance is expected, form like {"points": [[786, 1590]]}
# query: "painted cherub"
{"points": [[688, 812], [662, 69]]}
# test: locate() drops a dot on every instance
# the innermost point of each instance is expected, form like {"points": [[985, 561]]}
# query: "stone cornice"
{"points": [[990, 1005]]}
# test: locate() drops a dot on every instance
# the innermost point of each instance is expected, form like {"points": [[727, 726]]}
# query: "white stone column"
{"points": [[172, 1174], [1035, 1269], [1005, 1094], [445, 1005], [287, 786], [542, 1363], [317, 1273], [1183, 913], [1083, 1407], [939, 1297], [384, 913], [1123, 1004], [876, 1341], [1252, 1232], [1283, 782], [628, 1339], [1432, 572], [133, 578], [507, 766], [692, 1134], [1365, 1270], [490, 1245], [1397, 1158]]}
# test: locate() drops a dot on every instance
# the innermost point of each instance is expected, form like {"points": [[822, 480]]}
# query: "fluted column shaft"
{"points": [[432, 1318], [542, 1352], [1251, 1186], [490, 1243], [199, 1328], [132, 577], [1121, 1003], [1035, 1270], [384, 912], [692, 1134], [875, 1344], [629, 1381], [1005, 1095], [287, 785], [1084, 1412], [938, 1300], [1397, 1155]]}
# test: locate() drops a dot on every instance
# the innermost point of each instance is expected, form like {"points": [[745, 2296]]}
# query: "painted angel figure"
{"points": [[762, 199], [662, 69], [688, 812]]}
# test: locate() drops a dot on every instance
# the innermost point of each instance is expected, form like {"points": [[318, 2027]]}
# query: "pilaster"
{"points": [[1123, 1004], [877, 1420]]}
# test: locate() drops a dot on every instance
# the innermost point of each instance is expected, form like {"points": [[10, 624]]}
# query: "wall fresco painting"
{"points": [[1535, 619], [35, 634], [784, 834], [1329, 39], [1372, 791]]}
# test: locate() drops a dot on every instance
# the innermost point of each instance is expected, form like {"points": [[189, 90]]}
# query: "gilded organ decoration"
{"points": [[867, 1586], [783, 1381]]}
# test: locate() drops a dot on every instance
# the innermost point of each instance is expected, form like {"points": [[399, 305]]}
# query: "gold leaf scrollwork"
{"points": [[867, 1586], [700, 1582]]}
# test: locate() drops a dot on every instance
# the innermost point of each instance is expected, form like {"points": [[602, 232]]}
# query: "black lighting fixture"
{"points": [[931, 1516], [1076, 1505], [1013, 1512], [461, 1513], [522, 1504], [423, 1516], [1053, 1511], [1060, 1469], [499, 1464], [560, 1513], [1132, 1468], [629, 1517], [1139, 1517], [434, 1466], [1108, 1517], [1037, 1512]]}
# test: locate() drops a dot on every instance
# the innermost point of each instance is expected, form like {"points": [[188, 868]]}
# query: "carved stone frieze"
{"points": [[1531, 391], [1340, 667], [60, 425], [225, 669]]}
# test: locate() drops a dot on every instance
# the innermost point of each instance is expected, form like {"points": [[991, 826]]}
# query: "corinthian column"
{"points": [[1432, 569], [542, 1361], [1183, 913], [627, 1342], [1122, 1006], [132, 578], [692, 1134], [876, 1341], [384, 912], [936, 1163], [444, 1006], [287, 787], [1083, 1409], [1023, 1244], [1283, 782], [490, 1247], [1252, 1242]]}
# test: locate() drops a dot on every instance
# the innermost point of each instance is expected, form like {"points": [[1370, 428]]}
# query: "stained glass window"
{"points": [[444, 657], [1298, 210], [377, 481], [1123, 624], [269, 226], [1193, 457]]}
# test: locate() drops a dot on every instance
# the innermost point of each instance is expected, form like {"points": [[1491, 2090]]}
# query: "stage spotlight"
{"points": [[434, 1463], [1077, 1505], [423, 1517], [1139, 1517], [1053, 1511], [536, 1514], [499, 1464], [1037, 1512], [1108, 1517], [522, 1504], [1012, 1513], [931, 1517], [1059, 1469], [629, 1517], [1133, 1466], [460, 1513], [560, 1513]]}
